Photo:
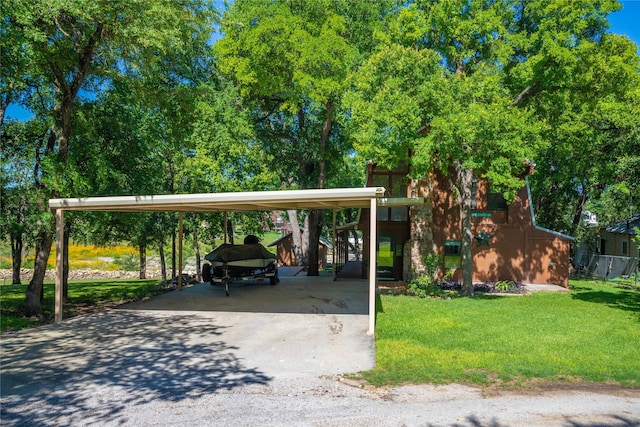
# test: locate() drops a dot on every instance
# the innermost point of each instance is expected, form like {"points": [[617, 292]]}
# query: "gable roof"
{"points": [[627, 226]]}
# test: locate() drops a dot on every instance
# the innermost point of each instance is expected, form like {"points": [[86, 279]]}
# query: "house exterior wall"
{"points": [[614, 244], [517, 249]]}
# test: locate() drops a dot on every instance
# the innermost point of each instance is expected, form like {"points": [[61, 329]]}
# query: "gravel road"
{"points": [[326, 401]]}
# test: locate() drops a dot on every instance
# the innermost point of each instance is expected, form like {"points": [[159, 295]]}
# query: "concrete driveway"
{"points": [[190, 342]]}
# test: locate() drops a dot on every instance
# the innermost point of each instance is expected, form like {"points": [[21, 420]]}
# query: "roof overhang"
{"points": [[335, 198], [399, 202]]}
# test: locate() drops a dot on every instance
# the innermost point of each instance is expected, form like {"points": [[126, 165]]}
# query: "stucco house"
{"points": [[508, 243], [619, 239]]}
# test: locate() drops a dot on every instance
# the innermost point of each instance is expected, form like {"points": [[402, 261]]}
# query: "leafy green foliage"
{"points": [[584, 84], [427, 284], [504, 285]]}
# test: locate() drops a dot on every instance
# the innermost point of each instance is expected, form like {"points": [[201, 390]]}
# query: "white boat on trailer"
{"points": [[229, 262]]}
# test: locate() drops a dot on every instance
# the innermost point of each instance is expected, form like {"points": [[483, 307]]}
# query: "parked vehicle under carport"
{"points": [[250, 261]]}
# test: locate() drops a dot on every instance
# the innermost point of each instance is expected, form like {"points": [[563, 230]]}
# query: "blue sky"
{"points": [[627, 21], [624, 22]]}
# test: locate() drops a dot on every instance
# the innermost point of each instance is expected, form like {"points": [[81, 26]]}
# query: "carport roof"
{"points": [[335, 198]]}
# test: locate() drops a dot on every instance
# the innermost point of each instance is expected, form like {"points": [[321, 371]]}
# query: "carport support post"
{"points": [[180, 233], [373, 242], [335, 248], [59, 265]]}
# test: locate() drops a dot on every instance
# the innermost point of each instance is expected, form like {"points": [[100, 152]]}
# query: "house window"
{"points": [[395, 182], [474, 193], [496, 202], [400, 214], [625, 248], [452, 254], [398, 185]]}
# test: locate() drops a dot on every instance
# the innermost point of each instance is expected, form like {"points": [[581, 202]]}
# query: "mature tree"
{"points": [[595, 136], [500, 67], [18, 214], [437, 89], [225, 156], [74, 45], [121, 154], [290, 59]]}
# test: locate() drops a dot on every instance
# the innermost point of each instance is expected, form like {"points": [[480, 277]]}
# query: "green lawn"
{"points": [[83, 295], [590, 334]]}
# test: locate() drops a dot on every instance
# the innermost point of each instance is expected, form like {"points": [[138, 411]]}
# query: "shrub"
{"points": [[502, 286], [127, 262], [426, 284]]}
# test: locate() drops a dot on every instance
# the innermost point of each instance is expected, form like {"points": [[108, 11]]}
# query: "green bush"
{"points": [[426, 284], [505, 285], [127, 262]]}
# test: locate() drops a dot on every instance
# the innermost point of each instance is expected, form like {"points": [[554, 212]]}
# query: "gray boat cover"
{"points": [[229, 253]]}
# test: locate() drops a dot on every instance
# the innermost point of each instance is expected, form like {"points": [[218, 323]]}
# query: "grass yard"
{"points": [[84, 296], [590, 334]]}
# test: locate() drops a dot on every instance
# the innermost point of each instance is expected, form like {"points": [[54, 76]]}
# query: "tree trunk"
{"points": [[305, 242], [356, 245], [63, 114], [316, 217], [421, 228], [163, 262], [296, 235], [142, 251], [464, 183], [577, 213], [16, 256], [229, 230], [33, 299], [197, 249]]}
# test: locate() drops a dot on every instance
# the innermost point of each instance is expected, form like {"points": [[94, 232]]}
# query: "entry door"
{"points": [[385, 254]]}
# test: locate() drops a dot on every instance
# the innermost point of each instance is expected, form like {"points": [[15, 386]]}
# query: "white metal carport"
{"points": [[336, 199]]}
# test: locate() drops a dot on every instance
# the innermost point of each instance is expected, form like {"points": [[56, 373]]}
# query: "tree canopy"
{"points": [[133, 97]]}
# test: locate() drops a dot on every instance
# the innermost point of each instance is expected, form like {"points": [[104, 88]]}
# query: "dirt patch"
{"points": [[540, 387], [534, 387]]}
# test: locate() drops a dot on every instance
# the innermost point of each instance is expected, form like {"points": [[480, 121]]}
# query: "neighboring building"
{"points": [[280, 224], [508, 244], [287, 256], [618, 239]]}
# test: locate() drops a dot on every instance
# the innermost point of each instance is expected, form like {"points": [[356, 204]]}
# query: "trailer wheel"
{"points": [[206, 272]]}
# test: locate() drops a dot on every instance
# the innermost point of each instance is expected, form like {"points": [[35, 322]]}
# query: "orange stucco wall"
{"points": [[517, 250]]}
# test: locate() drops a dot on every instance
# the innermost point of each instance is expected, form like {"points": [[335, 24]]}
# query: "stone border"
{"points": [[27, 273]]}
